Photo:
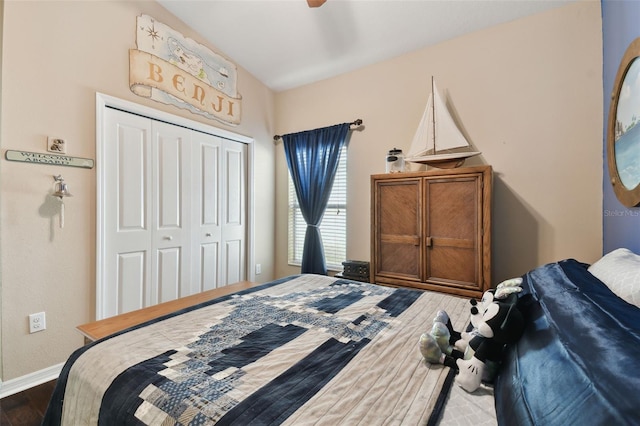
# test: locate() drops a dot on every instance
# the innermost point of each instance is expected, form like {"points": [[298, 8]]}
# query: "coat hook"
{"points": [[61, 190]]}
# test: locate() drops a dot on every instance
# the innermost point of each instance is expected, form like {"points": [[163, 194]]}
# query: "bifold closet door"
{"points": [[174, 212], [127, 214], [206, 212], [219, 211], [234, 215], [170, 221], [146, 199]]}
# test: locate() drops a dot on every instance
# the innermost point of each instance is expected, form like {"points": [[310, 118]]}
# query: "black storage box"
{"points": [[356, 269]]}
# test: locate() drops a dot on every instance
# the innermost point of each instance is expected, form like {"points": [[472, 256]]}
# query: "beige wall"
{"points": [[56, 56], [528, 95]]}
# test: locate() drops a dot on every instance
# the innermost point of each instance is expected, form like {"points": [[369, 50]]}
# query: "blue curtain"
{"points": [[312, 157]]}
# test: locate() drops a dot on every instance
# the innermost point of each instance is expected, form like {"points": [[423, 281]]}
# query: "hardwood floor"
{"points": [[26, 408]]}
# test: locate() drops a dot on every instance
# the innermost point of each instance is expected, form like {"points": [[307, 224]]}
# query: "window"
{"points": [[333, 227]]}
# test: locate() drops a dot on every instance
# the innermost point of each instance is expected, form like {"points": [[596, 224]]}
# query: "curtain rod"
{"points": [[357, 122]]}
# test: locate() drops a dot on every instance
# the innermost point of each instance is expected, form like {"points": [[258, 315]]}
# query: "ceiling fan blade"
{"points": [[315, 3]]}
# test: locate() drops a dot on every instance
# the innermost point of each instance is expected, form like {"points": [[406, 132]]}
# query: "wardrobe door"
{"points": [[397, 209], [453, 230]]}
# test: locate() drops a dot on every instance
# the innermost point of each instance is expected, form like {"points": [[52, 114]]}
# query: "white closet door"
{"points": [[171, 188], [206, 216], [147, 196], [127, 219], [219, 219], [174, 212], [234, 212]]}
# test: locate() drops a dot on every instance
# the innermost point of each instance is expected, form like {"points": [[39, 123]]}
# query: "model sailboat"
{"points": [[438, 142]]}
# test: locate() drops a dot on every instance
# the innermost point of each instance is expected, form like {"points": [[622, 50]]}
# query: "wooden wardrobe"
{"points": [[432, 230]]}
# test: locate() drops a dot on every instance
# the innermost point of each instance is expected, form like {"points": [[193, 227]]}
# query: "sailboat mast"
{"points": [[433, 116]]}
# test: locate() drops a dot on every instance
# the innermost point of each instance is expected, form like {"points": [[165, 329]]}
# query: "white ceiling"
{"points": [[286, 44]]}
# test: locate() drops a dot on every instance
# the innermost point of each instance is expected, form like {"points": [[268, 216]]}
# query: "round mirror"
{"points": [[623, 137]]}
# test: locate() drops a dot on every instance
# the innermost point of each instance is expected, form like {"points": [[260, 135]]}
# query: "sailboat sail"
{"points": [[436, 133], [423, 140]]}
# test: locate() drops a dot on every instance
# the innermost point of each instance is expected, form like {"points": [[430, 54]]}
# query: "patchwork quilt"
{"points": [[300, 350]]}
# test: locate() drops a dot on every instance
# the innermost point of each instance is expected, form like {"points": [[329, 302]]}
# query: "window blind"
{"points": [[333, 228]]}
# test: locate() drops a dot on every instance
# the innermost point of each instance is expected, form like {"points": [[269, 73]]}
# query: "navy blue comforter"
{"points": [[578, 362]]}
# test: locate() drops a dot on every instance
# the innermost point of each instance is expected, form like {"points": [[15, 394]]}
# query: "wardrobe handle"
{"points": [[167, 237], [428, 242], [208, 234]]}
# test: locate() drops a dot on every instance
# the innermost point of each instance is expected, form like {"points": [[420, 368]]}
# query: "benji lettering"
{"points": [[149, 72]]}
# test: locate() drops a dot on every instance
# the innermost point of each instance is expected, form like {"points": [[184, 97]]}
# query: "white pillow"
{"points": [[620, 271]]}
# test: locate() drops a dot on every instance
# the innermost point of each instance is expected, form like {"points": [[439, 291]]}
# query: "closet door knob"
{"points": [[208, 234], [168, 237]]}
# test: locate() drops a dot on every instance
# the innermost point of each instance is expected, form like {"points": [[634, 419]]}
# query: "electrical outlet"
{"points": [[37, 322], [258, 268]]}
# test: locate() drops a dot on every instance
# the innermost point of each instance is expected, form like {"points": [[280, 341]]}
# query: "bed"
{"points": [[578, 360], [312, 349], [301, 348]]}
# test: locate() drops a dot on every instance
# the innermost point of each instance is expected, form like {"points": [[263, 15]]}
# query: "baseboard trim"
{"points": [[30, 380]]}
